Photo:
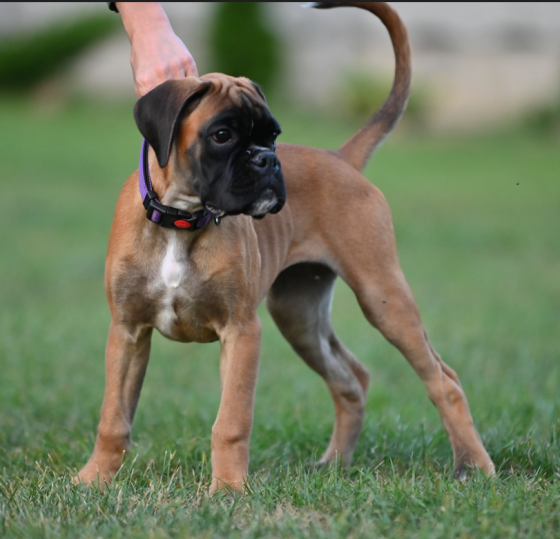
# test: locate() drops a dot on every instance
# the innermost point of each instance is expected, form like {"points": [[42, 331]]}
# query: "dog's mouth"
{"points": [[258, 209], [267, 202], [214, 212], [270, 200], [263, 205], [253, 188]]}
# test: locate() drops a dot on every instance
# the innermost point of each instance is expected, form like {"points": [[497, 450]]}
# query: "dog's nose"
{"points": [[265, 160]]}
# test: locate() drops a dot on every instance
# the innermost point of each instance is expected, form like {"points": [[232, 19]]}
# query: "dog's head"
{"points": [[219, 136]]}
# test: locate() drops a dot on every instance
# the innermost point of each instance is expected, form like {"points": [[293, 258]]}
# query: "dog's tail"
{"points": [[361, 146]]}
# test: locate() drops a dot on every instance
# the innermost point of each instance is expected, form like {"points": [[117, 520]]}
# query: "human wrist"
{"points": [[142, 17]]}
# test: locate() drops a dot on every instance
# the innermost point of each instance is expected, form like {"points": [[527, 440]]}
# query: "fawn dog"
{"points": [[234, 219]]}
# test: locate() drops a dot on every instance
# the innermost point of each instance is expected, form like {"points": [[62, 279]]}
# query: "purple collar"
{"points": [[166, 216]]}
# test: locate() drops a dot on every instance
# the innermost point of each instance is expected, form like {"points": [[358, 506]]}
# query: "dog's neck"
{"points": [[175, 206], [172, 193]]}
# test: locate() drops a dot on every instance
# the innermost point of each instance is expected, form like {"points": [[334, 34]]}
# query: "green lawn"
{"points": [[478, 227]]}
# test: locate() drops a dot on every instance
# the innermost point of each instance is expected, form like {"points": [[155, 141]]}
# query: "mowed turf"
{"points": [[477, 221]]}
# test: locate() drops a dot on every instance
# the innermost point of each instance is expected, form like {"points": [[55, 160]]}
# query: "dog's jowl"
{"points": [[218, 218]]}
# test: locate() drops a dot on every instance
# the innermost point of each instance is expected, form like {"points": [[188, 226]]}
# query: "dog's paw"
{"points": [[85, 480], [466, 467], [238, 486], [93, 475]]}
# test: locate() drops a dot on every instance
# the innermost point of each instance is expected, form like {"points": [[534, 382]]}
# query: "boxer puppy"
{"points": [[212, 157]]}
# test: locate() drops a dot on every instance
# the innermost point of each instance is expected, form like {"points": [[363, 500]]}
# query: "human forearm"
{"points": [[142, 17], [157, 53]]}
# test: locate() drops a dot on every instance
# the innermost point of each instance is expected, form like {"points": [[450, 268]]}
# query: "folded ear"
{"points": [[159, 113], [259, 90]]}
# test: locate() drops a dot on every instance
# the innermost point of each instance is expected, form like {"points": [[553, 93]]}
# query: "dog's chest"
{"points": [[176, 291], [173, 269]]}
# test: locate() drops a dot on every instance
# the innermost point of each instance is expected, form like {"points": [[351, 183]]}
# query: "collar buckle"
{"points": [[169, 217], [150, 196]]}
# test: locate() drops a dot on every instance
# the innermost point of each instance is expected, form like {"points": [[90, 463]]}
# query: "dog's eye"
{"points": [[222, 136]]}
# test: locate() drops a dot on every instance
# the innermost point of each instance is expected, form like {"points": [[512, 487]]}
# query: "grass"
{"points": [[477, 225]]}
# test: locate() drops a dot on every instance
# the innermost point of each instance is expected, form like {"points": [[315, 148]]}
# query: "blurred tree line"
{"points": [[240, 41], [29, 58], [242, 44]]}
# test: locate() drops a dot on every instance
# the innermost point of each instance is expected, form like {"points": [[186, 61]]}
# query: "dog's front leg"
{"points": [[126, 360], [239, 363]]}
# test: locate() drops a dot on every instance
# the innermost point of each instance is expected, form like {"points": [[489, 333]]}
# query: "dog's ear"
{"points": [[259, 91], [158, 114]]}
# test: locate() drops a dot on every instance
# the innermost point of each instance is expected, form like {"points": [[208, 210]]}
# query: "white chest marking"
{"points": [[171, 269], [171, 273]]}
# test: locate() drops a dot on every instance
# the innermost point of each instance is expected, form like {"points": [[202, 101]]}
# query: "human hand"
{"points": [[157, 53]]}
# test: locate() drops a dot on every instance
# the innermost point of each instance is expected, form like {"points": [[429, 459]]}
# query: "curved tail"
{"points": [[361, 146]]}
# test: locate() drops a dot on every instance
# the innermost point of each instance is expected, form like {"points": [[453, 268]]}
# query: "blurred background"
{"points": [[476, 65], [472, 175]]}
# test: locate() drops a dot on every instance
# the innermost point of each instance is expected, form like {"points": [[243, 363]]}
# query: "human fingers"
{"points": [[158, 56]]}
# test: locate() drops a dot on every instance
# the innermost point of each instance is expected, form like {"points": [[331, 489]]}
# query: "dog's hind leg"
{"points": [[370, 266], [300, 302], [390, 307]]}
